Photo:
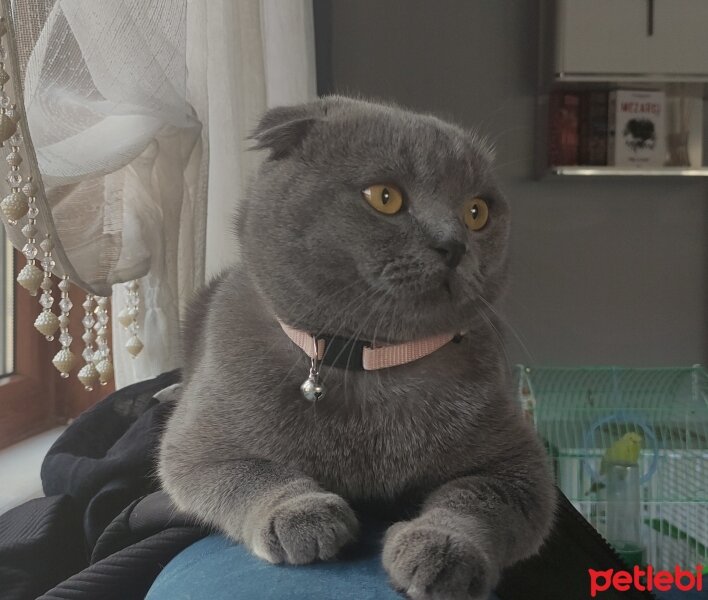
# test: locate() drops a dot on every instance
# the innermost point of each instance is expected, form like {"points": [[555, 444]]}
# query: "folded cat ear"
{"points": [[282, 130]]}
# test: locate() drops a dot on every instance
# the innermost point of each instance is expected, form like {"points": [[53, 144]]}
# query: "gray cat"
{"points": [[373, 223]]}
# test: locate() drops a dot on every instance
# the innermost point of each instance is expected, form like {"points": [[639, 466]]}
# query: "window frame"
{"points": [[34, 398], [27, 395]]}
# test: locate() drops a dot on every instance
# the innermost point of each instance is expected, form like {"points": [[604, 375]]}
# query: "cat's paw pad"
{"points": [[305, 528], [431, 563]]}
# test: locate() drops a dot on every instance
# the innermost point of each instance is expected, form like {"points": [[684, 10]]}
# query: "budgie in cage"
{"points": [[625, 451]]}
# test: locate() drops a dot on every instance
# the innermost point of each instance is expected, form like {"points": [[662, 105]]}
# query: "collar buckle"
{"points": [[343, 352]]}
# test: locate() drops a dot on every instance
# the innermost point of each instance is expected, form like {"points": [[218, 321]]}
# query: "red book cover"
{"points": [[593, 128], [563, 128]]}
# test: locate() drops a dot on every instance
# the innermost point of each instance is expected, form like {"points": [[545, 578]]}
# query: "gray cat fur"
{"points": [[245, 453]]}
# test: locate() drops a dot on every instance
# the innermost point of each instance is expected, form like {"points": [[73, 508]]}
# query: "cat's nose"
{"points": [[451, 252]]}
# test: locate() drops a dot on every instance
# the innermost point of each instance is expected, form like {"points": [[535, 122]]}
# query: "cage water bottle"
{"points": [[624, 512]]}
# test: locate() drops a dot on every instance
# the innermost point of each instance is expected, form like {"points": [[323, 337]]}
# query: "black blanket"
{"points": [[104, 530]]}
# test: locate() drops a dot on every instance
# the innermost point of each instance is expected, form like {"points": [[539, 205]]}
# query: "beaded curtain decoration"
{"points": [[20, 209]]}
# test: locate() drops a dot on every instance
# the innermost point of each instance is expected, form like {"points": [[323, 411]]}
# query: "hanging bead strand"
{"points": [[128, 317], [30, 276], [47, 322], [8, 125], [88, 375], [65, 359], [14, 206], [102, 356], [21, 202]]}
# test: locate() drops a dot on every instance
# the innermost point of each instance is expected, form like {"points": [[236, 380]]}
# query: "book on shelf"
{"points": [[636, 128], [563, 128], [592, 148]]}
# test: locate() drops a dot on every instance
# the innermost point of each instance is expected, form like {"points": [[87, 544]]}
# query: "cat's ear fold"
{"points": [[282, 130]]}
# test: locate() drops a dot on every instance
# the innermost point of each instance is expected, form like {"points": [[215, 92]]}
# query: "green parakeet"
{"points": [[625, 451]]}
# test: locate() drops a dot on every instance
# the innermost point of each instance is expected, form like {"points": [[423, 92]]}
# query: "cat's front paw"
{"points": [[428, 562], [305, 528]]}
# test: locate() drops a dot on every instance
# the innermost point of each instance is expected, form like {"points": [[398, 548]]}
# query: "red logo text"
{"points": [[649, 579]]}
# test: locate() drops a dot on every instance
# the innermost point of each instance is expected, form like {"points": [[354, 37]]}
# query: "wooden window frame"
{"points": [[34, 397]]}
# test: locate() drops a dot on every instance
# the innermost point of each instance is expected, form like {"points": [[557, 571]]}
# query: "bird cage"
{"points": [[583, 415]]}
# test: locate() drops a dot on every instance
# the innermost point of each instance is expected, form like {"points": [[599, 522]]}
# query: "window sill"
{"points": [[19, 469]]}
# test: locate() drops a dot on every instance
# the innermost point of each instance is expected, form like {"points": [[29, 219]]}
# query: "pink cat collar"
{"points": [[342, 352]]}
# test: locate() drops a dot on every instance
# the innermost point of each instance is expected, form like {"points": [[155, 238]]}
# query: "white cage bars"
{"points": [[581, 412]]}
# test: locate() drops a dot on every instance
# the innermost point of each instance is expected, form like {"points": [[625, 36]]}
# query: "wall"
{"points": [[604, 271]]}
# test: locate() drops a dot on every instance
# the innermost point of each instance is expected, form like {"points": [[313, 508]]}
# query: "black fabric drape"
{"points": [[106, 458], [104, 530]]}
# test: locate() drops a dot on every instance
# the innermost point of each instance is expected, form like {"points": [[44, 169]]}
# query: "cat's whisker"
{"points": [[380, 302], [358, 297], [374, 344], [375, 302], [500, 339], [392, 322], [317, 334], [361, 300], [489, 117], [474, 282], [312, 311], [376, 299], [520, 159], [509, 326]]}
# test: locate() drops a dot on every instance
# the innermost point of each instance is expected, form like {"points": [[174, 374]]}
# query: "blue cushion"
{"points": [[217, 569]]}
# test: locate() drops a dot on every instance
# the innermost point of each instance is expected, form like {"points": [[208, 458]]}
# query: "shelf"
{"points": [[628, 172], [630, 78], [568, 33]]}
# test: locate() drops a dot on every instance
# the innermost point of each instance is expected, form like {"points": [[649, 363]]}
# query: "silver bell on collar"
{"points": [[312, 388]]}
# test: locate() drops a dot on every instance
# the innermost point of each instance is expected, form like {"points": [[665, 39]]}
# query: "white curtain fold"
{"points": [[138, 113], [258, 54]]}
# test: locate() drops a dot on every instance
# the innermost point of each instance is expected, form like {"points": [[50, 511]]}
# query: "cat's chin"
{"points": [[402, 314], [438, 313], [446, 296]]}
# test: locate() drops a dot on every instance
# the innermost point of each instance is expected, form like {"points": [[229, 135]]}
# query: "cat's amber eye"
{"points": [[475, 213], [385, 198]]}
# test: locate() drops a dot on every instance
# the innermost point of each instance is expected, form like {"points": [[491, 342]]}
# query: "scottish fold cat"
{"points": [[374, 224]]}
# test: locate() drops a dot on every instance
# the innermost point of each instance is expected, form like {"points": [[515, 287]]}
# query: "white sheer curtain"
{"points": [[242, 57], [138, 113], [257, 55]]}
